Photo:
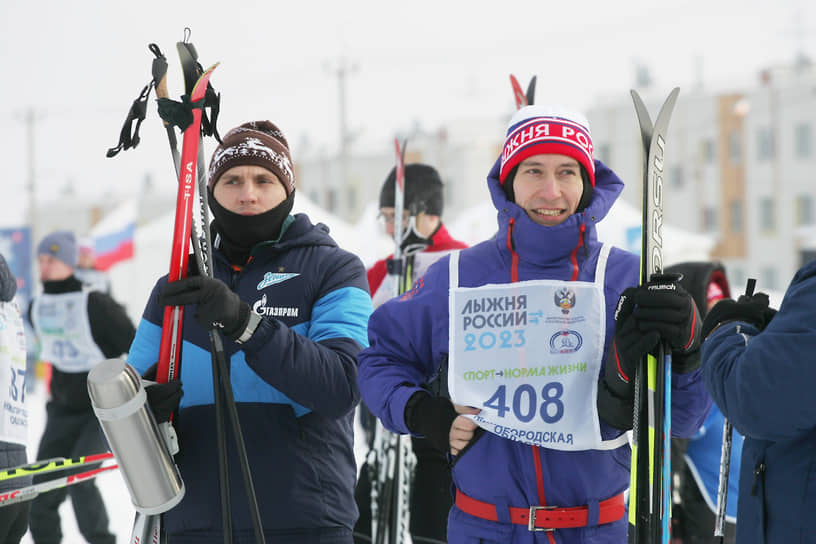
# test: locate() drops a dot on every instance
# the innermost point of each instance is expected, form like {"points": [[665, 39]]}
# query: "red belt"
{"points": [[545, 518]]}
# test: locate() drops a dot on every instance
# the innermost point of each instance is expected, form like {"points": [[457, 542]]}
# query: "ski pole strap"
{"points": [[192, 70], [159, 67], [547, 518], [129, 135], [178, 114], [212, 101]]}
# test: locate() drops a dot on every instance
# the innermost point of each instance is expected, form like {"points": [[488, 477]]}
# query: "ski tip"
{"points": [[673, 95], [210, 69], [531, 91], [201, 85], [518, 93]]}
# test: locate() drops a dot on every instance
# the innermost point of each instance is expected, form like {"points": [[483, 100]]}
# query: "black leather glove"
{"points": [[754, 309], [163, 398], [217, 305], [432, 417]]}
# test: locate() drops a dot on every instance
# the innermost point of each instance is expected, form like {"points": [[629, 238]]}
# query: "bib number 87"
{"points": [[526, 405]]}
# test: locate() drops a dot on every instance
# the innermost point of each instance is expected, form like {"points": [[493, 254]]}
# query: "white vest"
{"points": [[61, 322], [14, 415], [528, 354], [422, 261]]}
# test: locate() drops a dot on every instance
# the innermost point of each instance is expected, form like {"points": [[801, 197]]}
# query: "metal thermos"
{"points": [[120, 404]]}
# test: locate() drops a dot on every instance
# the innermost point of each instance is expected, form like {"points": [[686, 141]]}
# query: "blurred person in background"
{"points": [[14, 414], [86, 267], [425, 240], [77, 328], [696, 460]]}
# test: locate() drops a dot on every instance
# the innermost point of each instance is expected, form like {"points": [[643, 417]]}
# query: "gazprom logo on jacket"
{"points": [[271, 279], [261, 308], [564, 298]]}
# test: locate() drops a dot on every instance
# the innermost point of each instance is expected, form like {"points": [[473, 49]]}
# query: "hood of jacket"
{"points": [[539, 244]]}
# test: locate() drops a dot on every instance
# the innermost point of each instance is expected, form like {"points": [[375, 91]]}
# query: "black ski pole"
{"points": [[725, 459]]}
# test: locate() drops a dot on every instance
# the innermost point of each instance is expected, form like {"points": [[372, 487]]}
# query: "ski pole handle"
{"points": [[749, 287]]}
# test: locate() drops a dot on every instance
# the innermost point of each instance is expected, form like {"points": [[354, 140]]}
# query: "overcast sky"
{"points": [[78, 66]]}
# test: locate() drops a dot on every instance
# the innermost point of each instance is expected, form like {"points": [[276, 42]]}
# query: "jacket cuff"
{"points": [[253, 320]]}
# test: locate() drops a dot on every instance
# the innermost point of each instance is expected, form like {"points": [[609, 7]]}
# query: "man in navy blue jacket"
{"points": [[293, 308], [758, 366], [522, 327]]}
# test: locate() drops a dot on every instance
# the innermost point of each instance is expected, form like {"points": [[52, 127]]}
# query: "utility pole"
{"points": [[342, 71], [30, 119]]}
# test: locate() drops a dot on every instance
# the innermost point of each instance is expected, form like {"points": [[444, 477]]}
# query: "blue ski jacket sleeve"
{"points": [[295, 386], [760, 384]]}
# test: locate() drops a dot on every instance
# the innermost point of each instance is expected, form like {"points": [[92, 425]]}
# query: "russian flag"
{"points": [[113, 236]]}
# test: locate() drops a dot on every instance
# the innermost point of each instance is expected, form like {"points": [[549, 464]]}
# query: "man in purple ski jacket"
{"points": [[522, 330]]}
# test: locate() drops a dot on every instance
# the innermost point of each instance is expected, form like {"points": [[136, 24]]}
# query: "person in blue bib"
{"points": [[523, 328]]}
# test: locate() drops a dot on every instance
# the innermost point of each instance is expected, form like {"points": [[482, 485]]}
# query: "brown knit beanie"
{"points": [[260, 143]]}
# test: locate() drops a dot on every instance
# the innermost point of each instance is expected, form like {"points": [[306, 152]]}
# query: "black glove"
{"points": [[217, 306], [163, 398], [753, 309], [660, 309], [663, 306], [616, 389], [432, 417]]}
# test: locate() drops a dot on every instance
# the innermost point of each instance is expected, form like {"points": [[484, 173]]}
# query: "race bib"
{"points": [[13, 416], [528, 354]]}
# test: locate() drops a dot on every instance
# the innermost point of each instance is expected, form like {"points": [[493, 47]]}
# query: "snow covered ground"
{"points": [[111, 484]]}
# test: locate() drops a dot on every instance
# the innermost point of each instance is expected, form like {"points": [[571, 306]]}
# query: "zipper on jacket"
{"points": [[759, 477], [514, 277], [574, 254], [758, 488]]}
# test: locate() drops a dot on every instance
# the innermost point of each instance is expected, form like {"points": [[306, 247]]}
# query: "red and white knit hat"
{"points": [[539, 129]]}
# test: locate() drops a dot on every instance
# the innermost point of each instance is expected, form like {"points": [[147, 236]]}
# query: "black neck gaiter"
{"points": [[68, 285], [240, 233]]}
